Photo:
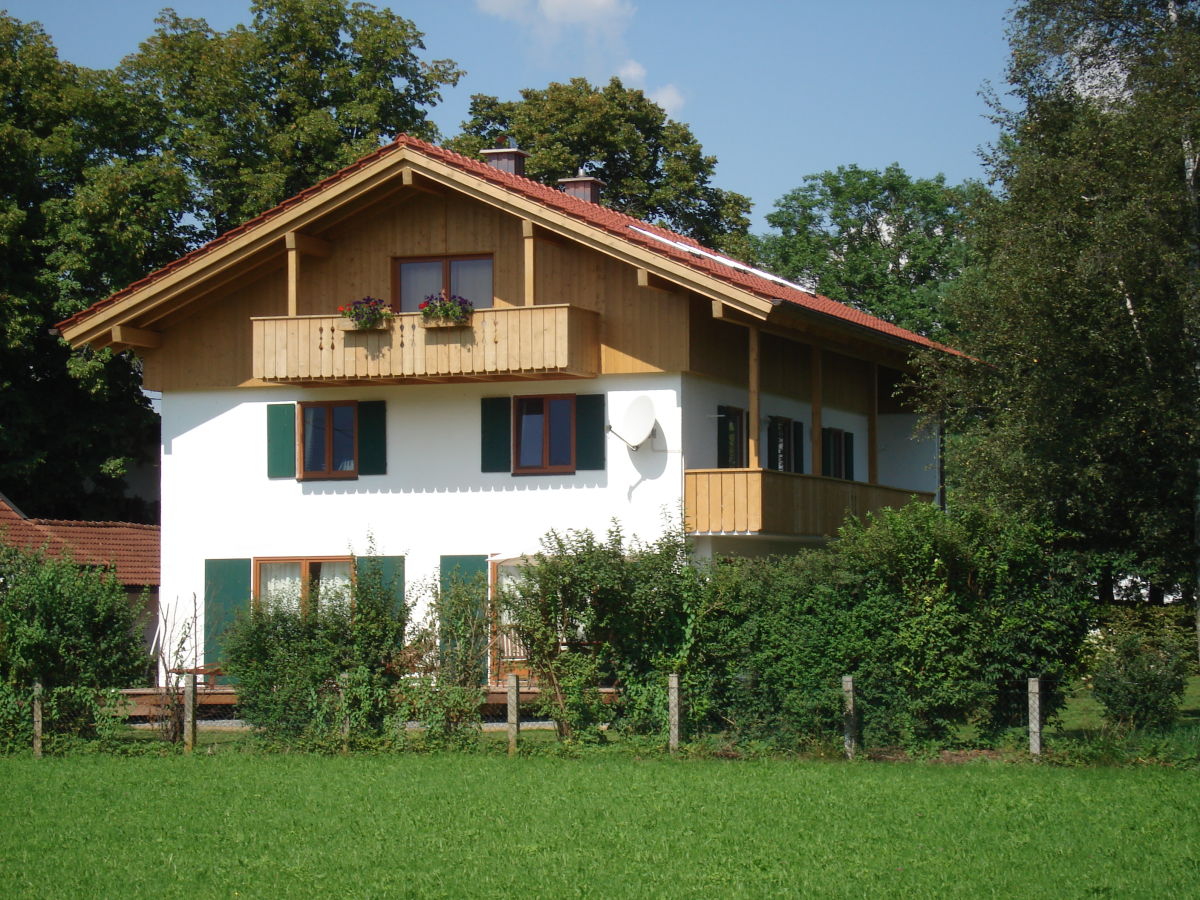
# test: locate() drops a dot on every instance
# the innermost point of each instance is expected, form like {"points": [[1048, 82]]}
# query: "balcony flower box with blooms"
{"points": [[367, 314], [440, 311]]}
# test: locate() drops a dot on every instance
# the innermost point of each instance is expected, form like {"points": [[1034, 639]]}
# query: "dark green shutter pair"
{"points": [[282, 439], [496, 433]]}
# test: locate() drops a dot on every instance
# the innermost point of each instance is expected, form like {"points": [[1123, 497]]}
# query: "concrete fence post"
{"points": [[673, 711], [849, 717], [514, 712], [189, 713], [1035, 717], [37, 720]]}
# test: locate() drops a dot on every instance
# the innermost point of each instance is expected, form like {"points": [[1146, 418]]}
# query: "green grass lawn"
{"points": [[236, 824]]}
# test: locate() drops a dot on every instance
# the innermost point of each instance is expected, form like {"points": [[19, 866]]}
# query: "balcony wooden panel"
{"points": [[499, 344], [762, 501]]}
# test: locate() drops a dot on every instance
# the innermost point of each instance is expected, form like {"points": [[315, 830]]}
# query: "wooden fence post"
{"points": [[673, 711], [341, 684], [37, 720], [514, 712], [1035, 717], [849, 717], [189, 713]]}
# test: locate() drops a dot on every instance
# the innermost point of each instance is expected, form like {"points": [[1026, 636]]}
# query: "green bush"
{"points": [[1139, 665], [301, 672]]}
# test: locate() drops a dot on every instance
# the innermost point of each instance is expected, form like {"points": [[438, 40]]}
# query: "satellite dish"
{"points": [[638, 422]]}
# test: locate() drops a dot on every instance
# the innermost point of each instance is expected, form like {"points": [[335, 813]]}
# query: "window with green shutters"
{"points": [[343, 439], [542, 434], [837, 453]]}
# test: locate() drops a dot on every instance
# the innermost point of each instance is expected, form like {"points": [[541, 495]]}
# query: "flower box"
{"points": [[350, 325], [446, 323]]}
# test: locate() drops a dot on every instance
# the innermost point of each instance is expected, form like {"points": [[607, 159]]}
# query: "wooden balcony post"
{"points": [[754, 461], [873, 428], [815, 437], [528, 267], [293, 281]]}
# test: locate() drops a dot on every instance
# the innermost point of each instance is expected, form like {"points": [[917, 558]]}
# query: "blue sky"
{"points": [[775, 89]]}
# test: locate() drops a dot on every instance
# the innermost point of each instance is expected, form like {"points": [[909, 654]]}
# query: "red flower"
{"points": [[424, 303]]}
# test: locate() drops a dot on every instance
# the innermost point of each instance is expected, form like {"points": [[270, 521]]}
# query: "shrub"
{"points": [[1139, 665]]}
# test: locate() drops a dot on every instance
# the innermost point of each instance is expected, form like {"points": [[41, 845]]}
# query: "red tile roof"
{"points": [[609, 220], [131, 548]]}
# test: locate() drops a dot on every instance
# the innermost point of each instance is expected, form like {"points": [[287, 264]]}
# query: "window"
{"points": [[837, 453], [542, 435], [544, 428], [464, 276], [785, 445], [731, 438], [331, 439], [303, 584]]}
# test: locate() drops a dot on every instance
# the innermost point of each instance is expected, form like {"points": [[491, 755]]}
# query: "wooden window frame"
{"points": [[398, 261], [545, 468], [305, 575], [327, 474]]}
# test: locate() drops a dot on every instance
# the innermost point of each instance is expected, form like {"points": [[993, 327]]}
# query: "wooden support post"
{"points": [[514, 712], [849, 717], [37, 720], [754, 461], [341, 682], [815, 437], [873, 428], [1035, 717], [189, 713], [673, 711], [293, 281], [530, 284]]}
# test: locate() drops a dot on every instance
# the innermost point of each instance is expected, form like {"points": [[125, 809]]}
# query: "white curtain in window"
{"points": [[279, 584], [330, 582], [472, 278]]}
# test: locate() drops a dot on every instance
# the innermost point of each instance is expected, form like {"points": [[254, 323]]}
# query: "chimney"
{"points": [[505, 158], [585, 187]]}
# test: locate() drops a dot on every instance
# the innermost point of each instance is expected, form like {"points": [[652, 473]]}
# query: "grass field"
{"points": [[614, 826]]}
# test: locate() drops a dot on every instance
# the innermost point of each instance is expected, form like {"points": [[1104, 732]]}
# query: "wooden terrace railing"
{"points": [[750, 501]]}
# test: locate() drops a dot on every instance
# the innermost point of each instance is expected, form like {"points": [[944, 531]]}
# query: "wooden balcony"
{"points": [[499, 344], [762, 501]]}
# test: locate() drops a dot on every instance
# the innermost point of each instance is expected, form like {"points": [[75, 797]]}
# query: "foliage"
{"points": [[66, 625], [440, 308], [302, 671], [1140, 662], [652, 166], [940, 618], [881, 241], [259, 113], [369, 312], [1082, 302]]}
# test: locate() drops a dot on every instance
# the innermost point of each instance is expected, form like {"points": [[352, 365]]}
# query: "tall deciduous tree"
{"points": [[881, 241], [256, 114], [1084, 305], [653, 167]]}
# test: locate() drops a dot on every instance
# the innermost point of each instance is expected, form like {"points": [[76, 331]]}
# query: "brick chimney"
{"points": [[505, 158], [585, 187]]}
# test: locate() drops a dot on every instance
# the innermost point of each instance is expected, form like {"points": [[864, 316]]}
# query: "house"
{"points": [[611, 369], [130, 549]]}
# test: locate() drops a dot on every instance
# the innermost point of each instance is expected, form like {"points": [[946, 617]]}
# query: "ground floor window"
{"points": [[837, 453], [545, 434], [731, 437], [303, 584], [785, 445]]}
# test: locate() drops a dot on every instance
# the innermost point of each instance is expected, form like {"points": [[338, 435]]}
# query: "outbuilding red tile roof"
{"points": [[131, 548], [635, 231]]}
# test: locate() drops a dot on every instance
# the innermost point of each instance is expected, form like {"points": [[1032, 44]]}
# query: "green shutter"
{"points": [[467, 569], [589, 432], [496, 434], [848, 455], [391, 570], [372, 437], [226, 593], [827, 445], [281, 440], [797, 447]]}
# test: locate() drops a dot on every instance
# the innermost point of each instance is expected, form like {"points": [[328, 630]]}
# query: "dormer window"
{"points": [[461, 276]]}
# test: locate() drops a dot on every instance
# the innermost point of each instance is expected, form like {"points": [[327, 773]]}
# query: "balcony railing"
{"points": [[498, 344], [762, 501]]}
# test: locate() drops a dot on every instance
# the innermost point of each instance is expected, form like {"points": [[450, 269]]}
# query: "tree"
{"points": [[653, 167], [1083, 302], [255, 115], [883, 242]]}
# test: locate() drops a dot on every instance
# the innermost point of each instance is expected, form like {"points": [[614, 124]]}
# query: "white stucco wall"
{"points": [[218, 502], [908, 455]]}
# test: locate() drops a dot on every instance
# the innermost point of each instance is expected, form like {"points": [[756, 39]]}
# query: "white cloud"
{"points": [[516, 10], [632, 73], [605, 14], [668, 97]]}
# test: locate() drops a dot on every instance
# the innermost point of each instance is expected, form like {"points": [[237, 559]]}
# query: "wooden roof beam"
{"points": [[136, 337], [306, 244]]}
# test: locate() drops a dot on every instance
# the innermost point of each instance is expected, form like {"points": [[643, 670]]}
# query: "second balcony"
{"points": [[498, 344]]}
